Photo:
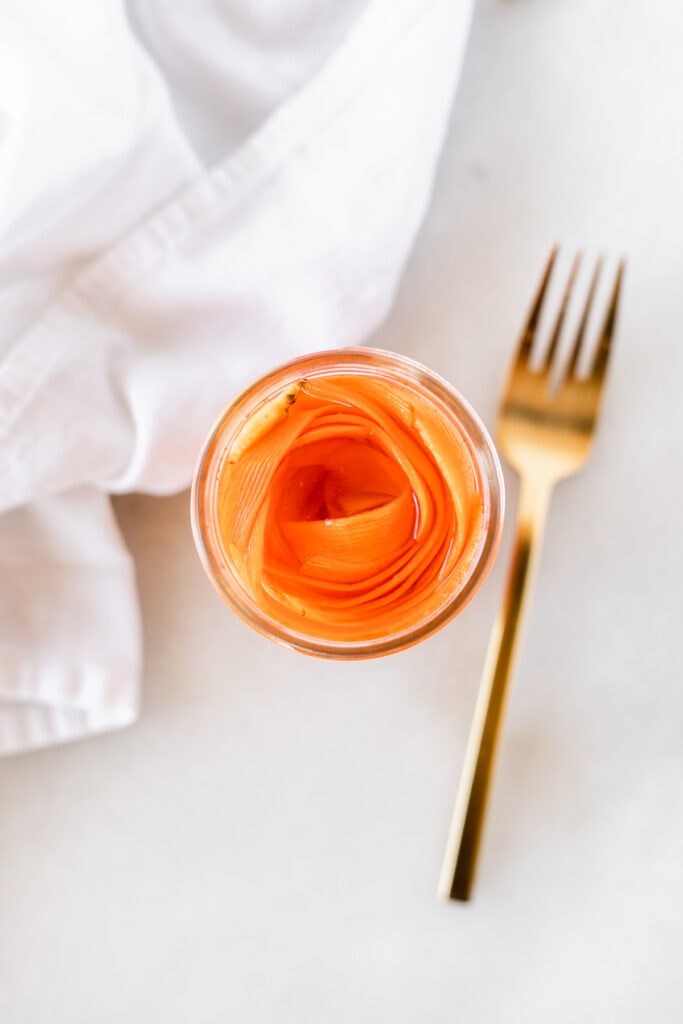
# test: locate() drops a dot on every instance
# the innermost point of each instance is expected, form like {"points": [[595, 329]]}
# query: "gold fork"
{"points": [[545, 431]]}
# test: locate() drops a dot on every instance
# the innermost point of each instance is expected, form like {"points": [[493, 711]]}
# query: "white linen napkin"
{"points": [[189, 195]]}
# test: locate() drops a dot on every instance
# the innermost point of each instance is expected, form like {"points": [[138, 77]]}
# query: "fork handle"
{"points": [[463, 842]]}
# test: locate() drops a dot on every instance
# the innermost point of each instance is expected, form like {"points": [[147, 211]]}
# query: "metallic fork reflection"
{"points": [[545, 431]]}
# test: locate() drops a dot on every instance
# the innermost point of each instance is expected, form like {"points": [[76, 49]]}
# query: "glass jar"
{"points": [[348, 504]]}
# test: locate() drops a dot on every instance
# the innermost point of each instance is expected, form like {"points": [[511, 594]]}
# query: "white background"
{"points": [[264, 846]]}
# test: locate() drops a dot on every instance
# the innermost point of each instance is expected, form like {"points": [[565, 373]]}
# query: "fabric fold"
{"points": [[295, 242], [69, 623]]}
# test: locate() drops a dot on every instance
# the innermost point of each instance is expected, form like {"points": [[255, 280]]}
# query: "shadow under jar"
{"points": [[348, 504]]}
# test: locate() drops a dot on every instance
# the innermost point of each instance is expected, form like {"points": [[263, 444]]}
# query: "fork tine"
{"points": [[602, 353], [581, 331], [557, 329], [528, 333]]}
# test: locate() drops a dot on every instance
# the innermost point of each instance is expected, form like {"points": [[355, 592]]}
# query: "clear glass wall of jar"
{"points": [[348, 504]]}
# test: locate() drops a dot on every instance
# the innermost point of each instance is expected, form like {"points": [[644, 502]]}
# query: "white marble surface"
{"points": [[264, 845]]}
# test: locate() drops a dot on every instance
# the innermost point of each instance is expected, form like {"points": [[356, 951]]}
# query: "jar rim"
{"points": [[378, 362]]}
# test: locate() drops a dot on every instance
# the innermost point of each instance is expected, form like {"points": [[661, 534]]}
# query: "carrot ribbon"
{"points": [[354, 515]]}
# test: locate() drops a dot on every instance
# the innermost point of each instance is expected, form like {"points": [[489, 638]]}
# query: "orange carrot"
{"points": [[352, 505]]}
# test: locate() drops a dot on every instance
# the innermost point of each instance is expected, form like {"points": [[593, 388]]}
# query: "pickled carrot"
{"points": [[353, 509]]}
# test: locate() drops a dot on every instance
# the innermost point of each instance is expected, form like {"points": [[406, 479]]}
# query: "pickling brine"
{"points": [[348, 504]]}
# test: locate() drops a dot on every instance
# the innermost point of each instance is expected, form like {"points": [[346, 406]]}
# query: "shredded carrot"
{"points": [[354, 511]]}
